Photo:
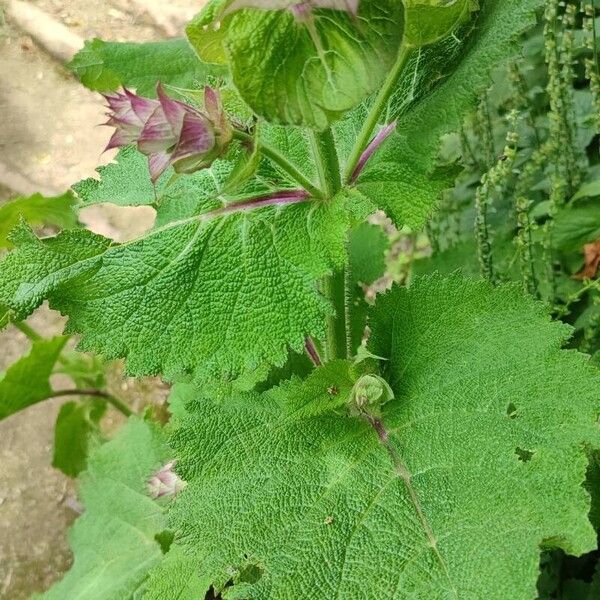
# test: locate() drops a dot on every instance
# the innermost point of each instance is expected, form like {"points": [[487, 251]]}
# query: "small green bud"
{"points": [[428, 21], [369, 394]]}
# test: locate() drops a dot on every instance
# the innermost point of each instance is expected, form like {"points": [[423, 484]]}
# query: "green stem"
{"points": [[115, 402], [327, 161], [334, 285], [282, 162], [33, 335], [379, 106], [337, 338]]}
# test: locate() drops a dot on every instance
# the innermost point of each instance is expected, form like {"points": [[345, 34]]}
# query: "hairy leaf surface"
{"points": [[477, 462], [428, 21], [216, 292], [440, 86], [114, 541], [106, 66], [125, 181], [302, 72], [27, 381]]}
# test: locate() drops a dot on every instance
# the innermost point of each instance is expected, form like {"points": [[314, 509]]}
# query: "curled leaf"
{"points": [[428, 21]]}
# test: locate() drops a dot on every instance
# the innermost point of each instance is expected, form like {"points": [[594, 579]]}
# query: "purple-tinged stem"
{"points": [[371, 148], [281, 198], [312, 352]]}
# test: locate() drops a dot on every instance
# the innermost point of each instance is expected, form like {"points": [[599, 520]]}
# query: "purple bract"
{"points": [[169, 132]]}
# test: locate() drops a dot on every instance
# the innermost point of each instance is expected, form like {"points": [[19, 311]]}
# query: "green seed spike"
{"points": [[558, 42], [535, 163], [484, 131], [591, 333], [521, 101], [557, 199], [484, 247], [522, 205], [592, 70], [492, 182]]}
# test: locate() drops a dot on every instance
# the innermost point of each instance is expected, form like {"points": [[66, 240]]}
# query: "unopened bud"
{"points": [[165, 482], [369, 394]]}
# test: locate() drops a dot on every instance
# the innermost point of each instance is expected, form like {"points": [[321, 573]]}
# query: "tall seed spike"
{"points": [[522, 205], [558, 43], [592, 69], [495, 180]]}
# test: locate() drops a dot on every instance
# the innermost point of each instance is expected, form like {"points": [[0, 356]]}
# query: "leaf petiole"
{"points": [[115, 402], [31, 334], [379, 106]]}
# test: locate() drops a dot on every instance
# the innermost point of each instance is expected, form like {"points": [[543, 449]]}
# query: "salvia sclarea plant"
{"points": [[435, 454]]}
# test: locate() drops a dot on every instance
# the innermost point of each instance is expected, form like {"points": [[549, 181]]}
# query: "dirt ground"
{"points": [[50, 139]]}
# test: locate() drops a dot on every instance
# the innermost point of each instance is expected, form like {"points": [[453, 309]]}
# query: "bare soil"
{"points": [[50, 139]]}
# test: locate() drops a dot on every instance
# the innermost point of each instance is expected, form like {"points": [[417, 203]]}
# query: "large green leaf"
{"points": [[106, 66], [477, 462], [37, 210], [27, 381], [217, 291], [302, 72], [115, 541], [440, 86]]}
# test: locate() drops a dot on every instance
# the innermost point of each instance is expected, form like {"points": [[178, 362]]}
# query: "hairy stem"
{"points": [[379, 106], [336, 345], [115, 402], [327, 162], [281, 162], [334, 285]]}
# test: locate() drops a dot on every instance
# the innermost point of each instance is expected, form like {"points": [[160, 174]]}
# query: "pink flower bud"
{"points": [[170, 132], [165, 482]]}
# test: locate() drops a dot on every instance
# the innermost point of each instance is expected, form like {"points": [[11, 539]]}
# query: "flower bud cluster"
{"points": [[169, 132]]}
